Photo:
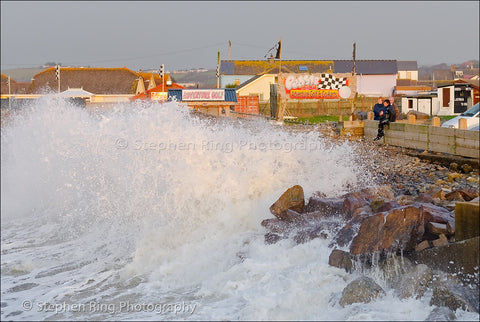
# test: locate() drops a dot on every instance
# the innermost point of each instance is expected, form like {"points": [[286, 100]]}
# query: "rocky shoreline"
{"points": [[392, 228]]}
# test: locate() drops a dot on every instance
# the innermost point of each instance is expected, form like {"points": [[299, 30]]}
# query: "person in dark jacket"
{"points": [[387, 113], [377, 108], [398, 115]]}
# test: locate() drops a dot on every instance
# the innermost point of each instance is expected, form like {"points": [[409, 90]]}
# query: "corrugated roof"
{"points": [[257, 67], [94, 80], [407, 65], [366, 67]]}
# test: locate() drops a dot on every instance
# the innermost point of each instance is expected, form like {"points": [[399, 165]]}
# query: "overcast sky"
{"points": [[188, 34]]}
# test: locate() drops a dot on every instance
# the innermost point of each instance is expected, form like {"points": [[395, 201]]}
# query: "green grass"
{"points": [[447, 117], [321, 119]]}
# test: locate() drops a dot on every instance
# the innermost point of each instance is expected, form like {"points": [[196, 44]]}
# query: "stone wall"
{"points": [[425, 137]]}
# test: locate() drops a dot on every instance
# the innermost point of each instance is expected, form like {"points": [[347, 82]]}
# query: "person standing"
{"points": [[377, 108], [398, 115]]}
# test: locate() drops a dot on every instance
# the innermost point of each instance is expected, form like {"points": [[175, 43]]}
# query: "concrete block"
{"points": [[441, 241], [467, 152], [460, 258], [423, 245], [467, 220]]}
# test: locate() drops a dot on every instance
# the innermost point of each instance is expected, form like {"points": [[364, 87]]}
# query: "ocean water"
{"points": [[149, 212]]}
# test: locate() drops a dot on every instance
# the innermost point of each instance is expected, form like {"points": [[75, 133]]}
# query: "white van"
{"points": [[471, 115]]}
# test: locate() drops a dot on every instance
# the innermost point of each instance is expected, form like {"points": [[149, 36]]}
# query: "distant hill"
{"points": [[204, 79]]}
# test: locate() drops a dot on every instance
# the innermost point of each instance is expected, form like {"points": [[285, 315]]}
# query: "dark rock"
{"points": [[461, 258], [345, 235], [350, 204], [326, 206], [441, 313], [441, 241], [361, 290], [453, 166], [393, 268], [387, 206], [275, 225], [449, 293], [304, 236], [466, 168], [400, 229], [436, 193], [436, 214], [454, 196], [468, 194], [271, 238], [436, 228], [424, 198], [423, 245], [341, 259], [415, 283]]}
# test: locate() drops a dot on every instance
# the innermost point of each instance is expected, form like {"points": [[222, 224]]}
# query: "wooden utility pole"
{"points": [[354, 49], [229, 46], [218, 70]]}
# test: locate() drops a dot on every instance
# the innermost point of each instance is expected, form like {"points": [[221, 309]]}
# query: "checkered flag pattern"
{"points": [[328, 81]]}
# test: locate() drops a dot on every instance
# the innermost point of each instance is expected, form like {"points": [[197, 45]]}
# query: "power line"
{"points": [[134, 58]]}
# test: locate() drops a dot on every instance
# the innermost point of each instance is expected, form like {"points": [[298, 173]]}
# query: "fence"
{"points": [[308, 108]]}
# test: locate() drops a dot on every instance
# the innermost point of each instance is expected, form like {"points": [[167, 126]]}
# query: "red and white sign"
{"points": [[203, 95]]}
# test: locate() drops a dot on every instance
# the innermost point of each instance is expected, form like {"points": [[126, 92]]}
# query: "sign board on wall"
{"points": [[158, 96], [203, 95], [317, 86]]}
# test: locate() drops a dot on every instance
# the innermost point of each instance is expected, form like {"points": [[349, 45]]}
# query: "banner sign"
{"points": [[315, 86], [203, 95], [313, 93], [158, 96]]}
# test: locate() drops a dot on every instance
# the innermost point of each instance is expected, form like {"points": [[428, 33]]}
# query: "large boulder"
{"points": [[293, 199], [373, 197], [460, 258], [441, 313], [361, 290], [325, 207], [393, 268], [448, 291], [341, 259], [345, 235], [400, 229], [415, 283]]}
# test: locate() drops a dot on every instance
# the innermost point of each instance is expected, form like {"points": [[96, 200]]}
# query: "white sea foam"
{"points": [[148, 211]]}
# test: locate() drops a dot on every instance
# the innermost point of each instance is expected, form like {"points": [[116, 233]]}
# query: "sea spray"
{"points": [[150, 204]]}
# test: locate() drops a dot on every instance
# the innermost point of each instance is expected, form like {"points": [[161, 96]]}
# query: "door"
{"points": [[446, 97]]}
